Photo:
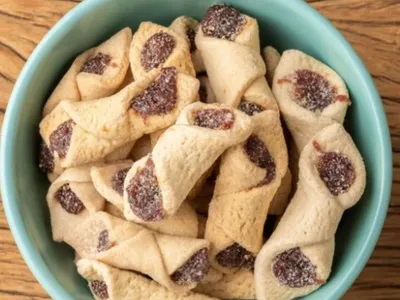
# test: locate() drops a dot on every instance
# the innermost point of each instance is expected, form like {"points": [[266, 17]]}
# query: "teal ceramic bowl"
{"points": [[283, 24]]}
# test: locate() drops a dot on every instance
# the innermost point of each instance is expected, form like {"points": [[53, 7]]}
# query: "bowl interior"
{"points": [[283, 25]]}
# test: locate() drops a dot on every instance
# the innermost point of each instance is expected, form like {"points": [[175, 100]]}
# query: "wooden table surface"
{"points": [[372, 27]]}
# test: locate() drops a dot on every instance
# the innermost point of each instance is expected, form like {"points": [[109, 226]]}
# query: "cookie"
{"points": [[109, 182], [157, 185], [96, 73], [297, 258], [71, 199], [154, 47], [310, 95]]}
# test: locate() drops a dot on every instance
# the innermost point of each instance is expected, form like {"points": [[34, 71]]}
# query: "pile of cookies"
{"points": [[167, 157]]}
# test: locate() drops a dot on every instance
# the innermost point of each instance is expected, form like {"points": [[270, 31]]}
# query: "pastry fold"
{"points": [[245, 186], [108, 181], [80, 132], [297, 258], [182, 154], [200, 183], [249, 176], [154, 46], [174, 262], [187, 27], [107, 282], [310, 95], [71, 199], [96, 73], [234, 64]]}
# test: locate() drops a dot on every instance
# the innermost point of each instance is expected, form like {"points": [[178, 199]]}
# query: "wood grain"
{"points": [[371, 26]]}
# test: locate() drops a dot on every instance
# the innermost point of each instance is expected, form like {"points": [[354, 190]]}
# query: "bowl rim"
{"points": [[25, 245]]}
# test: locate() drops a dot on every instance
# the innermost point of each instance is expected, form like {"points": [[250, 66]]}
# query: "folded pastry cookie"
{"points": [[106, 282], [80, 132], [310, 95], [249, 176], [156, 185], [271, 58], [154, 46], [71, 199], [239, 285], [183, 222], [96, 73], [109, 180], [187, 28], [297, 258], [229, 45], [177, 263]]}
